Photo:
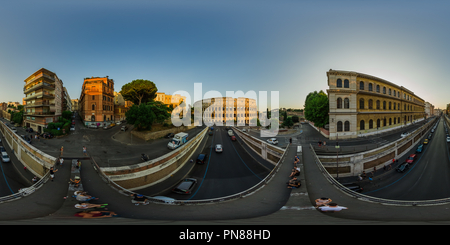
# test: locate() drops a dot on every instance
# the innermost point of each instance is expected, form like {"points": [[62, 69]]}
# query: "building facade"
{"points": [[362, 105], [96, 103], [168, 99], [236, 111], [43, 99]]}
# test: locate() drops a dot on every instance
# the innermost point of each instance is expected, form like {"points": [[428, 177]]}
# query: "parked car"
{"points": [[419, 148], [169, 135], [233, 138], [5, 157], [2, 149], [219, 148], [448, 139], [429, 136], [404, 134], [14, 129], [124, 128], [92, 126], [402, 167], [425, 142], [353, 187], [72, 127], [185, 186], [112, 125], [201, 158], [273, 141], [411, 158]]}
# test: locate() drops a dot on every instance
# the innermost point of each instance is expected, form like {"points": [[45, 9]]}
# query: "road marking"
{"points": [[298, 194], [297, 208]]}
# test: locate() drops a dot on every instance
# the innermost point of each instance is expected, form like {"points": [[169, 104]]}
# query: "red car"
{"points": [[233, 138], [411, 158]]}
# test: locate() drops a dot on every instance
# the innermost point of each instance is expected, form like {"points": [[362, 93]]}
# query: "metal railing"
{"points": [[363, 197]]}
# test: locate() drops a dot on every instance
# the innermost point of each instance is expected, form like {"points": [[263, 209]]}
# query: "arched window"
{"points": [[346, 83], [370, 104], [384, 122], [339, 103], [398, 119], [346, 103], [384, 90], [395, 93], [361, 125], [390, 121], [378, 88], [378, 123], [395, 120], [347, 126], [398, 107], [370, 87], [394, 105], [339, 126], [370, 124], [389, 91], [361, 103], [339, 83], [361, 85], [93, 106], [384, 105], [378, 104], [390, 108]]}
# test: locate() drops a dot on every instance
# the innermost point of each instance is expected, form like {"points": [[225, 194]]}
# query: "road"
{"points": [[226, 173], [427, 179]]}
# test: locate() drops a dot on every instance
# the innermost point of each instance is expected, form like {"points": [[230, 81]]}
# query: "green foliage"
{"points": [[139, 91], [288, 122], [67, 115], [295, 119], [143, 116], [317, 108]]}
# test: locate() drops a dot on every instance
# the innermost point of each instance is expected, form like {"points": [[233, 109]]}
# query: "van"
{"points": [[201, 158], [230, 133], [186, 186]]}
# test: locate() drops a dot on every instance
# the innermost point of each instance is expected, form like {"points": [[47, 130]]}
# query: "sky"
{"points": [[247, 45]]}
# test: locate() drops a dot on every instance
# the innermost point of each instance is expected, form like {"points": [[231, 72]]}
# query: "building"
{"points": [[362, 105], [67, 103], [96, 104], [168, 99], [43, 99], [121, 106], [235, 111], [74, 104]]}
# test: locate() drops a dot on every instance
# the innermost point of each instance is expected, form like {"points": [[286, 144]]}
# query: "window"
{"points": [[370, 124], [93, 106], [394, 105], [390, 106], [339, 103], [378, 104], [361, 103], [346, 83], [93, 97], [378, 123], [384, 122], [339, 83], [378, 88], [339, 126], [395, 93], [395, 119], [390, 121], [346, 103], [361, 85], [384, 105], [384, 90], [347, 126], [370, 104], [370, 87], [361, 125]]}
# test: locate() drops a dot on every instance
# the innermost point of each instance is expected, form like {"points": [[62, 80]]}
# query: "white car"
{"points": [[404, 134], [448, 139], [5, 157], [72, 127], [219, 148], [273, 141]]}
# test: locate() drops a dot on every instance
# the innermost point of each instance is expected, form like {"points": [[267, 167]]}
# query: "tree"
{"points": [[295, 119], [288, 122], [139, 91], [143, 116], [317, 108]]}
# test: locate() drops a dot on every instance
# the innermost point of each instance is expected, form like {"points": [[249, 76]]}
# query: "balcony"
{"points": [[43, 85], [39, 76], [39, 95], [48, 113]]}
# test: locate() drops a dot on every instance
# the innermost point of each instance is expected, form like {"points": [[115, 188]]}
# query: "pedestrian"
{"points": [[62, 149], [84, 151], [79, 164], [52, 173], [34, 179], [61, 160]]}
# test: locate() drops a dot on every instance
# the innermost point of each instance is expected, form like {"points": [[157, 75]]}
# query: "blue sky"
{"points": [[285, 46]]}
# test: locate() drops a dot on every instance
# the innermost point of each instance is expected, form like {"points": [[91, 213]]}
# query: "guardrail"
{"points": [[241, 194], [366, 198]]}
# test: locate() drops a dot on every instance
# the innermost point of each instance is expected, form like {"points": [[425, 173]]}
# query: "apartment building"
{"points": [[43, 99], [96, 104], [362, 104], [220, 110], [168, 99]]}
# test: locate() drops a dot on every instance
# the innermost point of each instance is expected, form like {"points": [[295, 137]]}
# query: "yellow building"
{"points": [[238, 111], [168, 99], [362, 105]]}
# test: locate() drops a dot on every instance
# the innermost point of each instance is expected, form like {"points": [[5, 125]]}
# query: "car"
{"points": [[14, 129], [124, 128], [210, 132], [5, 157], [118, 123], [219, 148], [273, 141], [185, 186], [429, 136], [404, 134], [233, 138], [73, 122], [402, 167], [106, 127], [2, 149], [425, 142], [165, 199], [169, 135], [353, 187], [201, 158], [411, 158], [72, 127], [448, 139], [112, 125], [419, 148], [92, 126]]}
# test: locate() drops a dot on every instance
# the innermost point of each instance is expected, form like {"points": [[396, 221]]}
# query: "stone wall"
{"points": [[145, 135]]}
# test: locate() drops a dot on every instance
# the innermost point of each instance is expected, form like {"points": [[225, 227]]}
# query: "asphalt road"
{"points": [[427, 179], [223, 174]]}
